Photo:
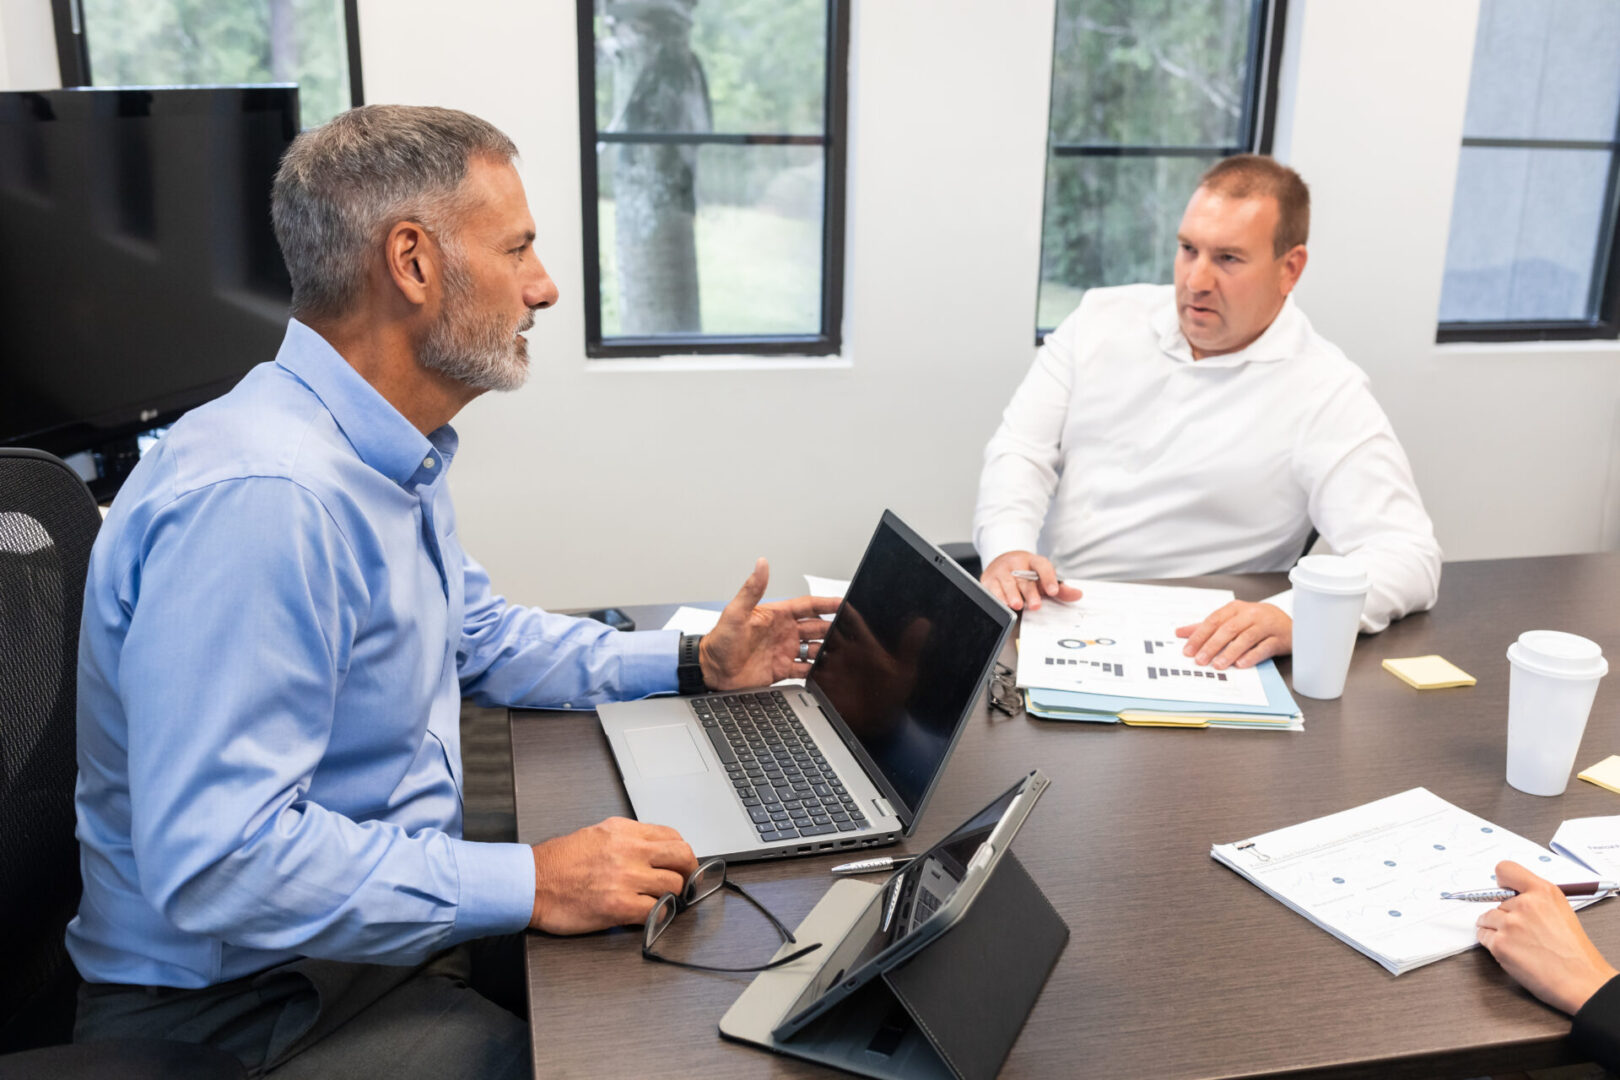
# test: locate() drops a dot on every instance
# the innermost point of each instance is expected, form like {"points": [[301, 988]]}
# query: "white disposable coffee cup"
{"points": [[1329, 592], [1551, 683]]}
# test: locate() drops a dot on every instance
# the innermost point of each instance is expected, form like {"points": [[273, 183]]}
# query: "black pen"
{"points": [[873, 866]]}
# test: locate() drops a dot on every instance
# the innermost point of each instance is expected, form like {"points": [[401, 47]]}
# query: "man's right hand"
{"points": [[1017, 593], [608, 874]]}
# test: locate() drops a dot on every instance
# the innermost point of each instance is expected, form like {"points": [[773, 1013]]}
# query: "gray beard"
{"points": [[479, 351]]}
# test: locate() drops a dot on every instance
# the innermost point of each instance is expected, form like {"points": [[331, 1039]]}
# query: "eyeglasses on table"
{"points": [[1003, 695], [708, 878]]}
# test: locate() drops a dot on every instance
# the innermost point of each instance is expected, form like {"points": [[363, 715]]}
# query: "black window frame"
{"points": [[73, 49], [1603, 294], [1269, 20], [833, 140]]}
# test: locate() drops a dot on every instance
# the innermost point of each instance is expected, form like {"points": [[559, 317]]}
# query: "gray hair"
{"points": [[343, 185]]}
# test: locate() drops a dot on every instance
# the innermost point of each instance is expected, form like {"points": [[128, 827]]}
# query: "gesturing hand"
{"points": [[757, 644], [1537, 940], [1239, 634], [608, 874]]}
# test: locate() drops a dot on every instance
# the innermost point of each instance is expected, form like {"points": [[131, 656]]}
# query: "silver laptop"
{"points": [[849, 759]]}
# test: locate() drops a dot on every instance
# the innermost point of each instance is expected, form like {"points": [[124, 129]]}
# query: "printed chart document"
{"points": [[1113, 657], [1372, 876], [1593, 842], [1121, 640]]}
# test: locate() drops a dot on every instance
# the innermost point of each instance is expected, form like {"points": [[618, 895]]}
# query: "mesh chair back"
{"points": [[48, 521]]}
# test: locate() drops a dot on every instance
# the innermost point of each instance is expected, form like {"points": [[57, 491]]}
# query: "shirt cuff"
{"points": [[497, 889], [994, 541], [1596, 1031], [1285, 601], [647, 661]]}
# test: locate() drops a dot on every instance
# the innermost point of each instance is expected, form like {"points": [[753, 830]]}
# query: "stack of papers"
{"points": [[1593, 842], [1372, 876], [1113, 657]]}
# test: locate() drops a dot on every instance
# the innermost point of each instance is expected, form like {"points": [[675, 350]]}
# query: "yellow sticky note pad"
{"points": [[1428, 672], [1605, 774]]}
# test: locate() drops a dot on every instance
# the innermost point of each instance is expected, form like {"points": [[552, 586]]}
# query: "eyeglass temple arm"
{"points": [[787, 935], [788, 959]]}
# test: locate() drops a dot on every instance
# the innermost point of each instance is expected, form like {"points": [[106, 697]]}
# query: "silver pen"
{"points": [[874, 866], [1492, 896]]}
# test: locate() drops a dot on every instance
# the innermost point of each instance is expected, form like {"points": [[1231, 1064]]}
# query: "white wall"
{"points": [[597, 485], [1513, 445], [27, 46]]}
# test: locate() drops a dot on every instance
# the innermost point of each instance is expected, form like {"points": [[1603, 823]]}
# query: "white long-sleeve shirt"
{"points": [[1142, 462]]}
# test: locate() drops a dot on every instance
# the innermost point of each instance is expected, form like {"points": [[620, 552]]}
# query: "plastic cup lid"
{"points": [[1553, 652], [1330, 574]]}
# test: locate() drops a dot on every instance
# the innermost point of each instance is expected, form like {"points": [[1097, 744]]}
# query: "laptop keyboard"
{"points": [[776, 769]]}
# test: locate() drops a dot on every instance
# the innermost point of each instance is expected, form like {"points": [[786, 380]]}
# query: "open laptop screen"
{"points": [[906, 656]]}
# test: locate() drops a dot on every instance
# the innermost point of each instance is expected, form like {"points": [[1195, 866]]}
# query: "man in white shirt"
{"points": [[1201, 428]]}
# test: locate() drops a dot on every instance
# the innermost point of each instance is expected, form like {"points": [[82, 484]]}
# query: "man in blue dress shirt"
{"points": [[280, 624]]}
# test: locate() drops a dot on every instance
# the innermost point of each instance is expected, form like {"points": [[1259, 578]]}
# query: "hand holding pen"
{"points": [[1537, 939], [1022, 579]]}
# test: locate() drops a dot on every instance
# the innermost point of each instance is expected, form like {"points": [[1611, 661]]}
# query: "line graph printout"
{"points": [[1372, 876], [1121, 639]]}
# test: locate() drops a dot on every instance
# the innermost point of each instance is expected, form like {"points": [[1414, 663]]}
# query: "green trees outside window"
{"points": [[219, 42], [1146, 95], [711, 144]]}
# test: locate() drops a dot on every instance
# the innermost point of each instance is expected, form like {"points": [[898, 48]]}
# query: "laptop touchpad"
{"points": [[666, 750]]}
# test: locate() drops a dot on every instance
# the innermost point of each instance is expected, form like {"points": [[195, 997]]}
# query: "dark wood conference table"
{"points": [[1176, 966]]}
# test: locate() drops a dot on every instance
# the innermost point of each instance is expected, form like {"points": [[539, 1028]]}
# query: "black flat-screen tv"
{"points": [[139, 274]]}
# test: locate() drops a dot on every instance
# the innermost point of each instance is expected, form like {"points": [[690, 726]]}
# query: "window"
{"points": [[1146, 95], [1532, 248], [314, 43], [712, 148]]}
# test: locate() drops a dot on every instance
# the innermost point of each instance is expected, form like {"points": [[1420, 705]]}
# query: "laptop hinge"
{"points": [[881, 805]]}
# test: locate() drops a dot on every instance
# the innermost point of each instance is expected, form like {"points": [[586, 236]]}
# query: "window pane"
{"points": [[1524, 229], [1547, 69], [214, 42], [711, 239], [1151, 72], [730, 66], [1110, 221]]}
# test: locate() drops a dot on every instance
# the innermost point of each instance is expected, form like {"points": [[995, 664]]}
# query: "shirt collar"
{"points": [[379, 433], [1279, 341]]}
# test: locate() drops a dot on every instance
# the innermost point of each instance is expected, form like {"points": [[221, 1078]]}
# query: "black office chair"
{"points": [[48, 522], [964, 555]]}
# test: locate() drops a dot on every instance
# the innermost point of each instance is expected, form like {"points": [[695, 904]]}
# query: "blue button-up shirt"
{"points": [[279, 626]]}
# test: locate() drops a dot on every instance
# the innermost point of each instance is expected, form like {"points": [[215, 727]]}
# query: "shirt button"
{"points": [[428, 463]]}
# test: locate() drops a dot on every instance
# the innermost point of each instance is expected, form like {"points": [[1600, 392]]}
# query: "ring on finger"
{"points": [[804, 651]]}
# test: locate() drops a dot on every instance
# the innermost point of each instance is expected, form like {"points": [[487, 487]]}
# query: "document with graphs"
{"points": [[1372, 876], [1120, 640]]}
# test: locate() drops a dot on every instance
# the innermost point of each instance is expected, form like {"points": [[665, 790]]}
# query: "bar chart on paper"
{"points": [[1120, 640]]}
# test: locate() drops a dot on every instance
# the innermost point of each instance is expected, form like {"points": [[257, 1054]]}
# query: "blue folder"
{"points": [[1052, 704]]}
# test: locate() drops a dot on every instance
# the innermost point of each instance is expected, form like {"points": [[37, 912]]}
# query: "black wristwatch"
{"points": [[688, 669]]}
